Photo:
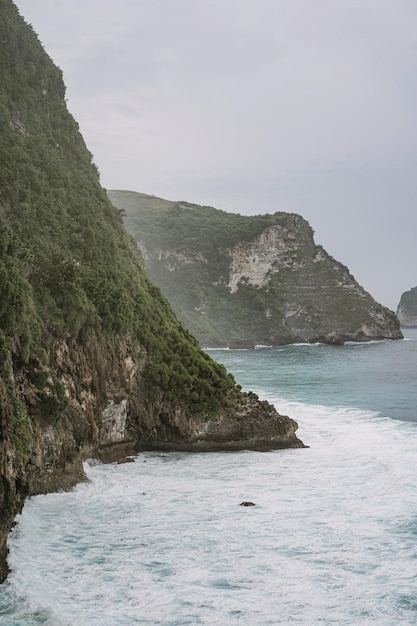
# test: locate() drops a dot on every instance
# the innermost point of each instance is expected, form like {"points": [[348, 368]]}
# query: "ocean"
{"points": [[163, 541]]}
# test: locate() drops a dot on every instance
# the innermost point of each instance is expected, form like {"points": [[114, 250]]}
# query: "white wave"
{"points": [[367, 343], [163, 541], [166, 542], [215, 349]]}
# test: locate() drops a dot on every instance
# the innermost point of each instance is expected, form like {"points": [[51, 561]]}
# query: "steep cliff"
{"points": [[407, 308], [93, 360], [242, 280]]}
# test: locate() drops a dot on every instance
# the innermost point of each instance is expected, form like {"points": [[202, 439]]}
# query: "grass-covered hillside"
{"points": [[186, 249], [241, 280], [93, 361], [66, 263]]}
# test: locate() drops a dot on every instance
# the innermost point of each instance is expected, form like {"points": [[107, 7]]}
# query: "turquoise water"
{"points": [[331, 540], [379, 376]]}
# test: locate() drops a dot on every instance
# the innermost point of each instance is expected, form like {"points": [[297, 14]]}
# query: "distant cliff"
{"points": [[238, 280], [93, 360], [407, 308]]}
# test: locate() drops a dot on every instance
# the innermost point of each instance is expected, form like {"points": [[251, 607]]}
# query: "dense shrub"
{"points": [[67, 265]]}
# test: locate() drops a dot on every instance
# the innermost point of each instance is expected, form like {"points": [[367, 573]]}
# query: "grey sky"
{"points": [[255, 106]]}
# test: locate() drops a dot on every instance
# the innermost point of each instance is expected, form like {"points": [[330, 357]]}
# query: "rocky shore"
{"points": [[93, 361], [108, 416]]}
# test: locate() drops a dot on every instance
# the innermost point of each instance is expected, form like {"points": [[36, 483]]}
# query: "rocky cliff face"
{"points": [[254, 262], [241, 281], [321, 299], [109, 413], [93, 361], [407, 309]]}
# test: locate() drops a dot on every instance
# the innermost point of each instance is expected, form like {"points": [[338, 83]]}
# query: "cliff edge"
{"points": [[407, 309], [239, 281], [93, 361]]}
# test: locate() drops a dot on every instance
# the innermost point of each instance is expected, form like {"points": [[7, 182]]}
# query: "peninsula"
{"points": [[238, 281]]}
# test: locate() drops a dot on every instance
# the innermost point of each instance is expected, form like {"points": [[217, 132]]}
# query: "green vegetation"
{"points": [[67, 266], [167, 225], [303, 295], [19, 428], [193, 271]]}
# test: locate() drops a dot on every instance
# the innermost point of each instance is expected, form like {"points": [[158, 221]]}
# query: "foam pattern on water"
{"points": [[163, 541], [332, 538]]}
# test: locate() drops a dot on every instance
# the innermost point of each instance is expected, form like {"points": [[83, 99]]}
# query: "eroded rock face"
{"points": [[321, 300], [93, 361], [255, 261], [113, 423], [407, 309], [109, 414], [238, 281], [255, 426]]}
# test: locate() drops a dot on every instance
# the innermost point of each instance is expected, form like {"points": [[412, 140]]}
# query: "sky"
{"points": [[255, 106]]}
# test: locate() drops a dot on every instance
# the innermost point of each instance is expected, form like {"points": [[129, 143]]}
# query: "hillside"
{"points": [[239, 281], [407, 308], [93, 361]]}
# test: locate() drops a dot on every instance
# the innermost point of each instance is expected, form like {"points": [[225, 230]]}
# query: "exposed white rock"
{"points": [[254, 261], [407, 308], [114, 418], [407, 318], [265, 281]]}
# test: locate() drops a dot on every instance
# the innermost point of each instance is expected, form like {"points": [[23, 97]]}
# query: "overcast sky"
{"points": [[255, 106]]}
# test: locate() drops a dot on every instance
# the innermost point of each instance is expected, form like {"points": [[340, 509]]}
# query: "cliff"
{"points": [[93, 360], [239, 281], [407, 308]]}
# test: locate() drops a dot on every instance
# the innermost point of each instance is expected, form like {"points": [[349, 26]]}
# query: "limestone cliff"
{"points": [[243, 280], [93, 360], [407, 308]]}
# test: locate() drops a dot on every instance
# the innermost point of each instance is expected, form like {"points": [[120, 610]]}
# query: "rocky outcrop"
{"points": [[256, 426], [109, 413], [239, 281], [254, 262], [93, 361], [407, 309], [321, 300]]}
